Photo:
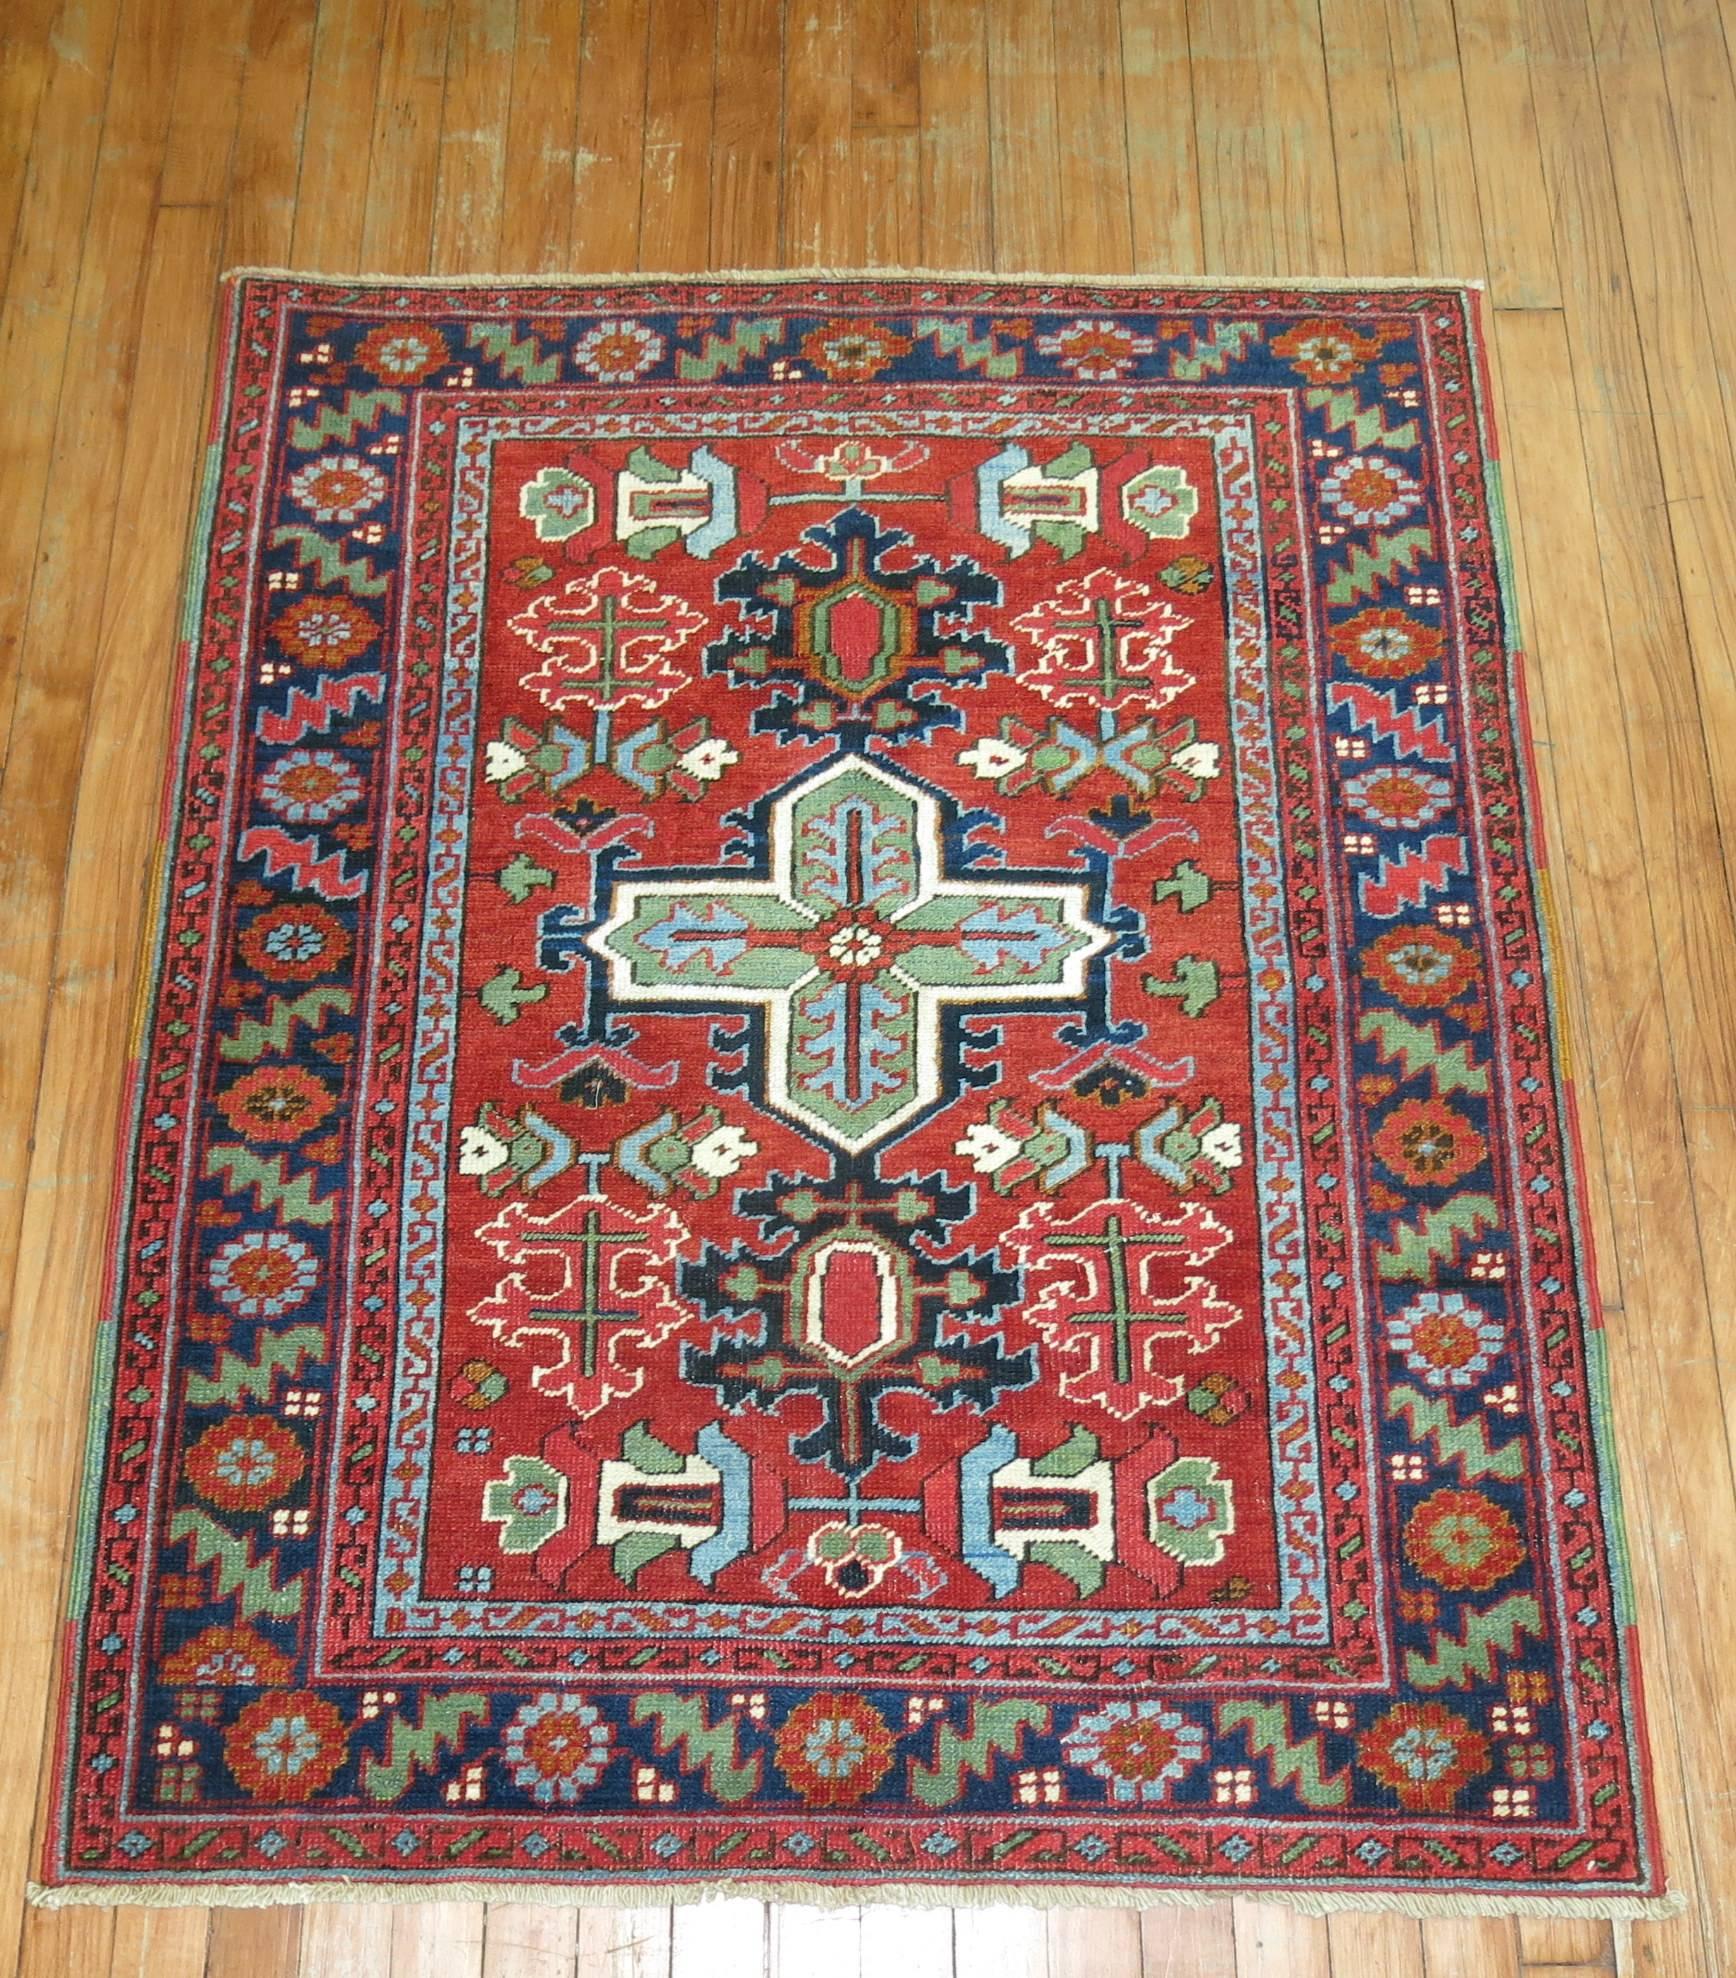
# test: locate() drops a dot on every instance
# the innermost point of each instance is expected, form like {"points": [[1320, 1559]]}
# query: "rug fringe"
{"points": [[835, 1895], [1209, 283]]}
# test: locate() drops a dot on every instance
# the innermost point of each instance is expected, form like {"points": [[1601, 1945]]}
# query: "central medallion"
{"points": [[852, 946]]}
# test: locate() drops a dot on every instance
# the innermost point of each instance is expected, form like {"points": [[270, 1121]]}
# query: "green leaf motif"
{"points": [[996, 1731], [522, 877], [713, 1748], [278, 1353], [645, 464], [1194, 985], [1418, 1048], [1068, 1557], [1268, 1726], [1065, 465], [410, 1747], [1186, 885], [1435, 1235], [1470, 1657], [649, 1454], [1391, 557], [252, 1038], [1068, 1458], [638, 1549], [253, 1582], [273, 1187], [360, 408], [504, 995], [1430, 1419], [1067, 537], [518, 357]]}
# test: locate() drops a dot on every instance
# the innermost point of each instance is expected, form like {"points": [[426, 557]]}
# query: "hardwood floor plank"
{"points": [[719, 1940], [207, 103], [1361, 1941], [820, 205], [1446, 217], [1517, 224], [536, 226], [1024, 144], [27, 59], [906, 1943], [1700, 76], [1158, 105], [1091, 127], [259, 215], [437, 1940], [885, 166], [253, 1943], [1367, 136], [954, 199], [675, 199], [1273, 1941], [87, 991], [331, 193], [345, 1940], [1657, 1337], [806, 1942], [37, 314], [609, 163], [470, 170], [1188, 1942], [160, 1943], [1689, 912], [1565, 1940], [1009, 1942], [403, 158], [1094, 1943], [65, 1943], [121, 274], [1695, 465], [624, 1943], [746, 141], [884, 92], [1262, 129], [530, 1940], [1470, 1947]]}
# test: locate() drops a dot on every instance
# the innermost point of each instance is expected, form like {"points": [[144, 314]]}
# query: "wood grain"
{"points": [[1580, 154]]}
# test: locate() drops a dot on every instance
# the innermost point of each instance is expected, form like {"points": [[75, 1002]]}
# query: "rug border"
{"points": [[1668, 1901]]}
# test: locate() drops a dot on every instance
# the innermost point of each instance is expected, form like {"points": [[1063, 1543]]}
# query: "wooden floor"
{"points": [[1580, 154]]}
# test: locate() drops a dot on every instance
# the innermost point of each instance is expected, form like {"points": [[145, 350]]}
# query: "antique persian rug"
{"points": [[847, 1173]]}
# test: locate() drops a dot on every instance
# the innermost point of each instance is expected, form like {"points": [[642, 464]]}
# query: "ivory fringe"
{"points": [[846, 1895], [700, 277]]}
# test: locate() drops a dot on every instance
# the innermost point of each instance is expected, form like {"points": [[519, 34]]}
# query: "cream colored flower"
{"points": [[986, 1147], [501, 762], [1198, 759], [481, 1152], [991, 758], [722, 1151]]}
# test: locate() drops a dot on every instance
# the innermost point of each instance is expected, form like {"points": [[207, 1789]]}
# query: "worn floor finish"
{"points": [[1580, 154]]}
